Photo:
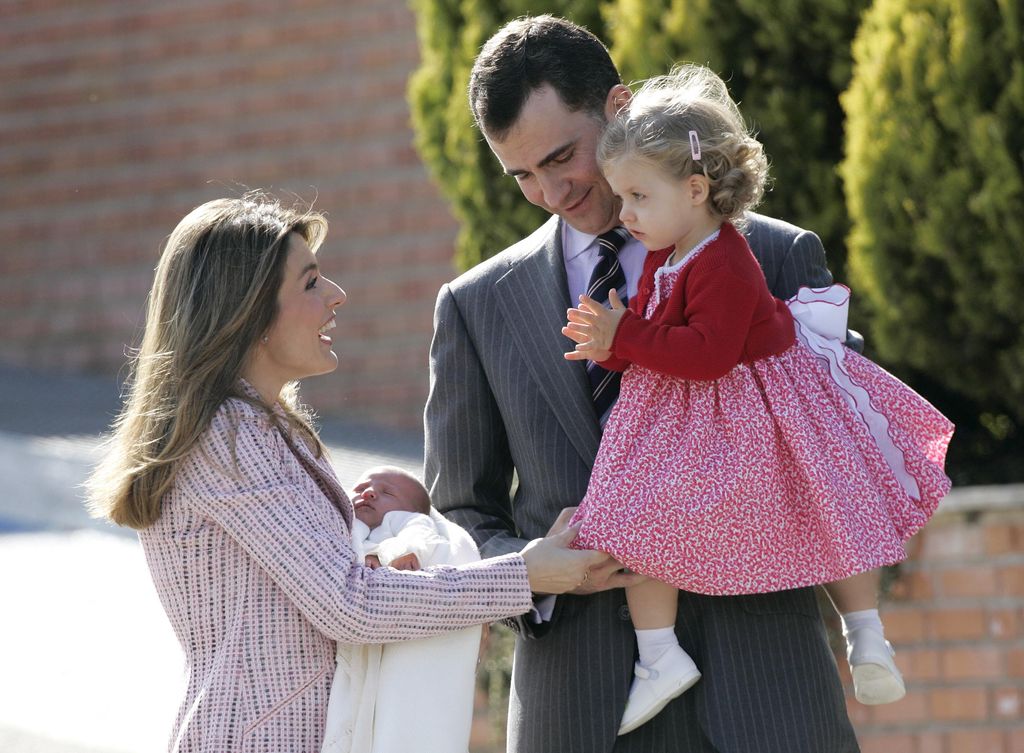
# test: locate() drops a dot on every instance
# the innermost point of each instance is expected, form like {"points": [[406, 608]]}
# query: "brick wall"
{"points": [[955, 614], [117, 118]]}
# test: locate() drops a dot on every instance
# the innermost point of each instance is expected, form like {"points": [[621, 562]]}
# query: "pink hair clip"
{"points": [[694, 146]]}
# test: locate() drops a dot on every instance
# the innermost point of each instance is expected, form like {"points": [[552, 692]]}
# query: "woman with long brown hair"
{"points": [[244, 525]]}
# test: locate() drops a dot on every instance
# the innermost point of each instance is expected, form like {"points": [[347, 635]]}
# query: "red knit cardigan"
{"points": [[720, 314]]}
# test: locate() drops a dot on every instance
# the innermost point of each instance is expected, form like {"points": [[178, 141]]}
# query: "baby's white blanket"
{"points": [[411, 695]]}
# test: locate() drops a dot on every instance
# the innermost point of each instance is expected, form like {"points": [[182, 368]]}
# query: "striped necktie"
{"points": [[607, 274]]}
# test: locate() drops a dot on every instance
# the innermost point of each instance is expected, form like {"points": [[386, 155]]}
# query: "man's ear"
{"points": [[618, 97]]}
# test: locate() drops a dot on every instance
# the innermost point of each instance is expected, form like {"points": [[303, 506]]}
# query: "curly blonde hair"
{"points": [[655, 126]]}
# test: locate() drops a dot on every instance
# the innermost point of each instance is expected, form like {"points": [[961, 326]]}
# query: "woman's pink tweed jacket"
{"points": [[254, 567]]}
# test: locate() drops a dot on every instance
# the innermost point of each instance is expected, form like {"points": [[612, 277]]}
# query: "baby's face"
{"points": [[382, 492]]}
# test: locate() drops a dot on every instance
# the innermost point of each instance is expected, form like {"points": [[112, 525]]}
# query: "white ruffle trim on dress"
{"points": [[821, 315]]}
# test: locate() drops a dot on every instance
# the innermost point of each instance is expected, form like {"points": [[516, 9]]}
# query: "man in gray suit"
{"points": [[507, 412]]}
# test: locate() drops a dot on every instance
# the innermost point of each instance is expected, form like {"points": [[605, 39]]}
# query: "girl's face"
{"points": [[658, 210], [298, 343]]}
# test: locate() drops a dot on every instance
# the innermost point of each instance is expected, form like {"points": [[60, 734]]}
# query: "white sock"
{"points": [[864, 618], [651, 644]]}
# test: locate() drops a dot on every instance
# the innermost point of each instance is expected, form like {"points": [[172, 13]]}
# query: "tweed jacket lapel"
{"points": [[320, 470], [534, 296]]}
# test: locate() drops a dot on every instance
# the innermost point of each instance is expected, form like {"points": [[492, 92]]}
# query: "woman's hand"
{"points": [[562, 521], [602, 577], [592, 327], [554, 568], [607, 576]]}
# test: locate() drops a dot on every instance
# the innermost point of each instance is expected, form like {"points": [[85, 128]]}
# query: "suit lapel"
{"points": [[533, 296]]}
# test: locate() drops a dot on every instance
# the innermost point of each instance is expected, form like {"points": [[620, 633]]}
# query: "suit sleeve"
{"points": [[467, 464], [802, 265], [285, 531]]}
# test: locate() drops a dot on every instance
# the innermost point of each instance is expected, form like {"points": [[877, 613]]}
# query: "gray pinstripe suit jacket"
{"points": [[504, 403]]}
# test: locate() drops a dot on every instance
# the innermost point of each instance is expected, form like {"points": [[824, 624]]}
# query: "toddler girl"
{"points": [[749, 450]]}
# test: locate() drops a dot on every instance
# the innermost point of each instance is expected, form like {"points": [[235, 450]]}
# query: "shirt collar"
{"points": [[575, 242]]}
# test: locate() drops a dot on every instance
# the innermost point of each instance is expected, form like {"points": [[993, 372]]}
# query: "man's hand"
{"points": [[592, 327], [372, 561], [562, 521]]}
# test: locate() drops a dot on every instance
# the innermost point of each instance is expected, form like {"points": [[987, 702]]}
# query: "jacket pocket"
{"points": [[297, 697]]}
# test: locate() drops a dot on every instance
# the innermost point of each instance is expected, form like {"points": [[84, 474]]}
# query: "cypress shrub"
{"points": [[934, 179]]}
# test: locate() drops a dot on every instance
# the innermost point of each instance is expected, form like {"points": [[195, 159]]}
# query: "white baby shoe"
{"points": [[875, 677], [654, 686]]}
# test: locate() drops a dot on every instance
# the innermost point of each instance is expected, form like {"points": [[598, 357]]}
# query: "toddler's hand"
{"points": [[592, 327], [406, 562], [372, 561]]}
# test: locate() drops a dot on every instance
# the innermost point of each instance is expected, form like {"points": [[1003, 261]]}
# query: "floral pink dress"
{"points": [[792, 470]]}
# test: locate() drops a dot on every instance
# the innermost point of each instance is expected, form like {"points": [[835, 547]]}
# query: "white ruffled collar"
{"points": [[666, 267]]}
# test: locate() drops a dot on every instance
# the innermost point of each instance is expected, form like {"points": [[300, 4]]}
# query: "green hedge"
{"points": [[934, 179]]}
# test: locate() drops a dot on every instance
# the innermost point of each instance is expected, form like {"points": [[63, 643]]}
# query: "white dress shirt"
{"points": [[580, 252]]}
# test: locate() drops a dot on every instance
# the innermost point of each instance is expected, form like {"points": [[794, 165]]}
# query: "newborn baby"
{"points": [[393, 526]]}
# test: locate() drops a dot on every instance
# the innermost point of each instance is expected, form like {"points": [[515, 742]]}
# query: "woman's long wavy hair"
{"points": [[213, 297], [655, 126]]}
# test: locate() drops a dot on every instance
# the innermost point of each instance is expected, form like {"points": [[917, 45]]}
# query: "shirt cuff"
{"points": [[543, 608]]}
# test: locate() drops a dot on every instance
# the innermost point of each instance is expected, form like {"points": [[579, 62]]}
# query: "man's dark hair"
{"points": [[530, 52]]}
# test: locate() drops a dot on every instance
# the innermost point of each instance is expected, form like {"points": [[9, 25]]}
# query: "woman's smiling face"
{"points": [[298, 343]]}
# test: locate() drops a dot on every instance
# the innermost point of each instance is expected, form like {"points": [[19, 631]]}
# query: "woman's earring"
{"points": [[264, 339]]}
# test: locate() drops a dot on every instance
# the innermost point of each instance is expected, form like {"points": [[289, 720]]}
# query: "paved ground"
{"points": [[88, 663]]}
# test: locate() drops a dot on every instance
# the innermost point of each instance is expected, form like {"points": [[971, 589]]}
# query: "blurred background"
{"points": [[895, 130]]}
